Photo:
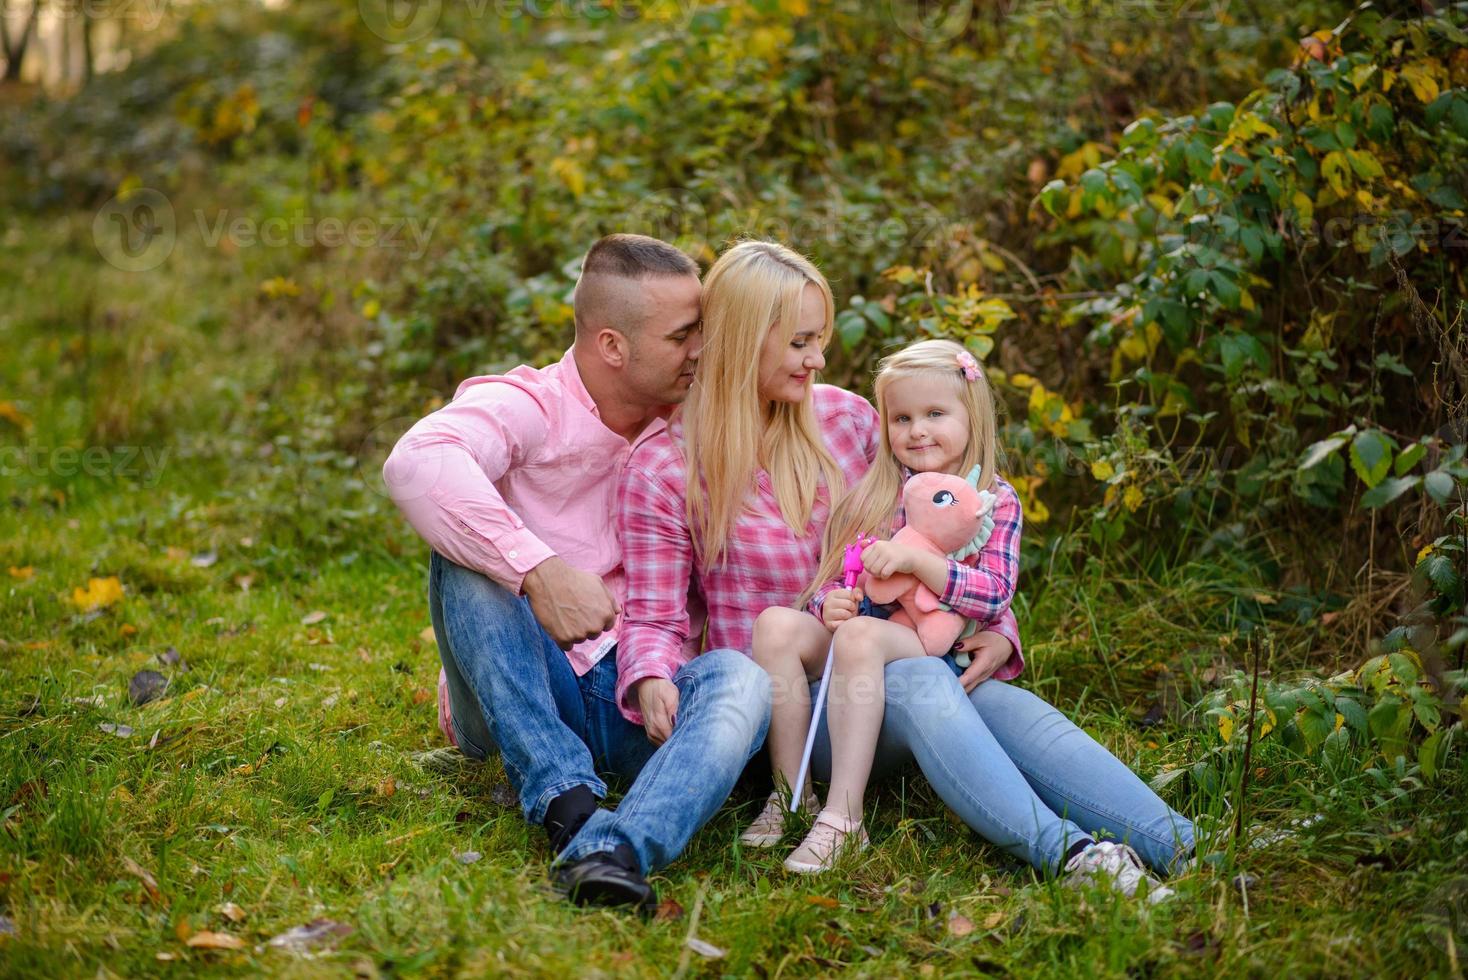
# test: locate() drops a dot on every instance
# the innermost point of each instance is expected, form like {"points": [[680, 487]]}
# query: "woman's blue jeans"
{"points": [[1015, 769], [512, 691]]}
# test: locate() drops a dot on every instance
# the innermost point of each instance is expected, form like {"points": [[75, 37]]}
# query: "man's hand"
{"points": [[990, 651], [883, 559], [839, 606], [658, 700], [571, 605]]}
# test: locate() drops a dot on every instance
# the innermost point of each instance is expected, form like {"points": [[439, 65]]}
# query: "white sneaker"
{"points": [[829, 839], [1116, 866], [769, 826]]}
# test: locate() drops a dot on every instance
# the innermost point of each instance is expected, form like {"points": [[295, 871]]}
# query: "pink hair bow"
{"points": [[968, 365]]}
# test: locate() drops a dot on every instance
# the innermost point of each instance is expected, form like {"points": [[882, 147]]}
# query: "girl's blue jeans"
{"points": [[1014, 768]]}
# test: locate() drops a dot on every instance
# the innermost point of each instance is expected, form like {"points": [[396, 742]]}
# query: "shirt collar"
{"points": [[571, 379]]}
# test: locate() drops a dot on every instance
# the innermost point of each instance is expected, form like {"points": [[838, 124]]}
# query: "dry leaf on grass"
{"points": [[145, 686], [668, 910], [215, 940], [704, 948], [232, 912], [312, 618], [993, 920], [99, 594], [150, 884], [121, 731], [960, 925], [316, 934]]}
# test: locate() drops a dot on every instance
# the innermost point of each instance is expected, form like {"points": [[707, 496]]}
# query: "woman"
{"points": [[772, 450]]}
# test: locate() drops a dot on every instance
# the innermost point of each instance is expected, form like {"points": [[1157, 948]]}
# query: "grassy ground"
{"points": [[230, 491]]}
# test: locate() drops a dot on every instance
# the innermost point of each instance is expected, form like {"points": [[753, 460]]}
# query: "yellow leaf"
{"points": [[1132, 498], [1022, 381], [1426, 550], [15, 416], [280, 286], [371, 308], [1226, 726], [29, 571], [99, 593], [1419, 76], [570, 173], [1334, 169], [1102, 470]]}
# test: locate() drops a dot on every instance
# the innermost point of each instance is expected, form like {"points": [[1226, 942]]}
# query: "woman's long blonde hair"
{"points": [[729, 432], [871, 506]]}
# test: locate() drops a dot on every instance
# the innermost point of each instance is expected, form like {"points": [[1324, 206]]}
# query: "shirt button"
{"points": [[514, 554]]}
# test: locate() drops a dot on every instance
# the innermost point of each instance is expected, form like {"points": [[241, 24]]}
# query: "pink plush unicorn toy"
{"points": [[946, 515]]}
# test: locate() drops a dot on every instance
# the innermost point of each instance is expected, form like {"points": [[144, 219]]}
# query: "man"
{"points": [[512, 484]]}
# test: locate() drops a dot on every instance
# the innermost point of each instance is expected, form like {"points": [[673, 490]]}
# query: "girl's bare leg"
{"points": [[864, 647], [791, 646]]}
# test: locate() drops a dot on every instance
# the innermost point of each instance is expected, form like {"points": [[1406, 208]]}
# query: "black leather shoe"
{"points": [[604, 878]]}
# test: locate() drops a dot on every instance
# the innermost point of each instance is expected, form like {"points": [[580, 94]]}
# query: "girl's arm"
{"points": [[657, 556]]}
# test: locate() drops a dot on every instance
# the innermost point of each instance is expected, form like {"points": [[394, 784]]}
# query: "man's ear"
{"points": [[614, 347]]}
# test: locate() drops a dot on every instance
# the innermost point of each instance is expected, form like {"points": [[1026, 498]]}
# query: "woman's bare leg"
{"points": [[791, 646], [864, 646]]}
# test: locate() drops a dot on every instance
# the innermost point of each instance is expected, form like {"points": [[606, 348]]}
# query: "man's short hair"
{"points": [[606, 295], [636, 257]]}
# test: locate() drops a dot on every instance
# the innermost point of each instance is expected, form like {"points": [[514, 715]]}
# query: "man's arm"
{"points": [[441, 474]]}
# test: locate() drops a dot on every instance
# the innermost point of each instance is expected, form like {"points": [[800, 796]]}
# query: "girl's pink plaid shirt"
{"points": [[765, 564]]}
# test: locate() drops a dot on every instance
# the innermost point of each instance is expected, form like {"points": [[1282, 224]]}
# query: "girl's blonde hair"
{"points": [[871, 506], [728, 431]]}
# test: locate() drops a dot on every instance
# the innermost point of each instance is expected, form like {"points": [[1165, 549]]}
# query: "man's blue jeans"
{"points": [[1014, 768], [512, 691]]}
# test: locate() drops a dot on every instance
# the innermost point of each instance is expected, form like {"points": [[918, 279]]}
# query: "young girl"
{"points": [[937, 415]]}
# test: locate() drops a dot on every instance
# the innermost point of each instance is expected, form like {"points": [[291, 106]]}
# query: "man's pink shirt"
{"points": [[516, 469]]}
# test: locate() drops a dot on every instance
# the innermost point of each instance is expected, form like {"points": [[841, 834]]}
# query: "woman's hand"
{"points": [[883, 559], [990, 651], [839, 606], [658, 700]]}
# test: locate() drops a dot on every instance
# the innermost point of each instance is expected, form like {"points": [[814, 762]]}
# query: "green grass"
{"points": [[277, 773]]}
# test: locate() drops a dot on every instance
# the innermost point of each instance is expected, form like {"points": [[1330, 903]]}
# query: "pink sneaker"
{"points": [[831, 837]]}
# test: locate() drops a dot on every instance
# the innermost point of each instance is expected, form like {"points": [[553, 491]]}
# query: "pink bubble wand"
{"points": [[851, 569]]}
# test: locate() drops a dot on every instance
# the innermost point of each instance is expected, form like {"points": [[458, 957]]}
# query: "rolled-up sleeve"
{"points": [[442, 475], [983, 591], [657, 555]]}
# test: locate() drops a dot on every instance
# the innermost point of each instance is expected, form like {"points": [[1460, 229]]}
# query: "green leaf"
{"points": [[1354, 714], [1409, 457], [1367, 167], [1371, 456], [1388, 490], [1403, 668], [1439, 486], [1386, 716], [1427, 754], [1315, 727], [851, 326], [1318, 451], [1440, 572], [1428, 715]]}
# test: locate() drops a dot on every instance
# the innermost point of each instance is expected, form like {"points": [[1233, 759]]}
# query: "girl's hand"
{"points": [[990, 651], [840, 606], [883, 559]]}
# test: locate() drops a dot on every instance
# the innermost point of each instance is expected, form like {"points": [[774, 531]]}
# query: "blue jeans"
{"points": [[512, 691], [1014, 768]]}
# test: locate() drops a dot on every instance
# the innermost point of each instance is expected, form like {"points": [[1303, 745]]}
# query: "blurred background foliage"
{"points": [[1212, 253]]}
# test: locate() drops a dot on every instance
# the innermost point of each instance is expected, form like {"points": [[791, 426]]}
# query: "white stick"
{"points": [[815, 720]]}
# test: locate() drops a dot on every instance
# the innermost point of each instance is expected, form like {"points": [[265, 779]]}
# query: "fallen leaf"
{"points": [[165, 957], [128, 629], [150, 884], [244, 582], [993, 920], [312, 618], [121, 731], [183, 929], [146, 685], [421, 695], [668, 910], [387, 787], [99, 594], [823, 901], [204, 559], [705, 949], [232, 912], [171, 658], [15, 416], [317, 933], [425, 635], [24, 573], [467, 857], [960, 925], [215, 940]]}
